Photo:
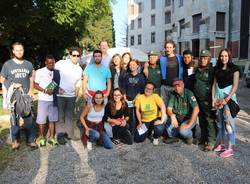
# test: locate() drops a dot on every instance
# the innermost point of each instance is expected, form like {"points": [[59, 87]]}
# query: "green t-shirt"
{"points": [[182, 105], [154, 75]]}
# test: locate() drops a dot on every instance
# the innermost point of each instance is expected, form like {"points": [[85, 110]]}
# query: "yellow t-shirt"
{"points": [[148, 106]]}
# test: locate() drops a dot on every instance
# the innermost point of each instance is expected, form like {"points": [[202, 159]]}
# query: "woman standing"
{"points": [[225, 85], [91, 118], [117, 72], [116, 114]]}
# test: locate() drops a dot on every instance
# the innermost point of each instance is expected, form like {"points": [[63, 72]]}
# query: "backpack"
{"points": [[22, 102]]}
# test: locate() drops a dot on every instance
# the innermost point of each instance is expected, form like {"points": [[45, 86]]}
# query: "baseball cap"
{"points": [[177, 82], [152, 53], [205, 53]]}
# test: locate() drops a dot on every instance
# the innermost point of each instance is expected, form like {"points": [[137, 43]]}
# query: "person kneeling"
{"points": [[91, 118], [147, 112], [182, 111]]}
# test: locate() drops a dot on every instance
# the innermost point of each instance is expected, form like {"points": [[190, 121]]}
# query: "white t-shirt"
{"points": [[44, 77], [70, 77]]}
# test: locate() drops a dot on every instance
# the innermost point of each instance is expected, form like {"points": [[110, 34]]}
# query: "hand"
{"points": [[146, 64], [139, 125], [158, 122], [123, 122], [61, 91], [30, 93], [49, 91], [17, 85], [87, 131], [185, 126], [174, 122]]}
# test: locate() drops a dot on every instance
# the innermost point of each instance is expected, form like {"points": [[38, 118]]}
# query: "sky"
{"points": [[120, 21]]}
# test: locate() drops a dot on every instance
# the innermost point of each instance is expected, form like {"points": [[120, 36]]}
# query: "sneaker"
{"points": [[226, 153], [60, 138], [115, 141], [156, 142], [33, 145], [42, 142], [189, 141], [171, 140], [89, 145], [53, 142], [220, 147], [208, 147]]}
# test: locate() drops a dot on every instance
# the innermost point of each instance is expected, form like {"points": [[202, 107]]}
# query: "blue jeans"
{"points": [[66, 106], [226, 125], [29, 128], [95, 135], [158, 131], [175, 132]]}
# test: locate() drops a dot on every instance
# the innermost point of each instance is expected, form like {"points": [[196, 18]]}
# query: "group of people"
{"points": [[169, 96]]}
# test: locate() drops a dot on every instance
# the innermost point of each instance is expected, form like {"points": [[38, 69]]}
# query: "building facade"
{"points": [[192, 24]]}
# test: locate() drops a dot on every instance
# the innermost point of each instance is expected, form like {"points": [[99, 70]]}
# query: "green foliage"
{"points": [[51, 26]]}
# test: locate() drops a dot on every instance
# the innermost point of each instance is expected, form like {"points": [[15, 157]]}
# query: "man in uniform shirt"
{"points": [[202, 90], [182, 111]]}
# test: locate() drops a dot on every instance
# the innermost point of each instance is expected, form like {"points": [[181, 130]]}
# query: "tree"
{"points": [[46, 26]]}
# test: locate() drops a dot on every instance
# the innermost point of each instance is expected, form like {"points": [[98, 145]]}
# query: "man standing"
{"points": [[203, 92], [152, 71], [182, 111], [47, 80], [70, 82], [171, 68], [106, 58], [96, 77], [18, 72]]}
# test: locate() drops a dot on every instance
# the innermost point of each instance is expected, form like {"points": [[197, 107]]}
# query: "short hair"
{"points": [[171, 42], [187, 52], [104, 41], [49, 56], [16, 43], [151, 83], [72, 49], [97, 51]]}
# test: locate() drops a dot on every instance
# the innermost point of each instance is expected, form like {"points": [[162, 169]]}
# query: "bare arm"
{"points": [[84, 85], [172, 116], [82, 118], [30, 92], [235, 86], [145, 69], [138, 115], [193, 118]]}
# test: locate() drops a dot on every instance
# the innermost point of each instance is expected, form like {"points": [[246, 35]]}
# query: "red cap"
{"points": [[177, 82]]}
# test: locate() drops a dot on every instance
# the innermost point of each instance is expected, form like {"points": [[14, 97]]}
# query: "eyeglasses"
{"points": [[74, 55], [149, 88]]}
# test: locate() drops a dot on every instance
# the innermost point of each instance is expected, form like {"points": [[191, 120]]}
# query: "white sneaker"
{"points": [[156, 142], [89, 145]]}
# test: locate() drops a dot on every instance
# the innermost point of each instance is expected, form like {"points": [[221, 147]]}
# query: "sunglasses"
{"points": [[74, 55]]}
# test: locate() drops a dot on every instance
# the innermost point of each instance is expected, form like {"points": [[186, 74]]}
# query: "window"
{"points": [[167, 17], [196, 23], [180, 3], [152, 4], [182, 27], [139, 39], [132, 9], [220, 21], [167, 34], [167, 3], [139, 23], [132, 25], [132, 40], [152, 20], [173, 6], [153, 37], [140, 7]]}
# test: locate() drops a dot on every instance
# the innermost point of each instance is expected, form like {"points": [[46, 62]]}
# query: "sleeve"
{"points": [[31, 69], [126, 114], [158, 100], [171, 100], [106, 112], [4, 71], [108, 73], [137, 101], [37, 77], [192, 99]]}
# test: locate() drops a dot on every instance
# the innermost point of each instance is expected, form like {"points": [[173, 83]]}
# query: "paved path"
{"points": [[139, 163]]}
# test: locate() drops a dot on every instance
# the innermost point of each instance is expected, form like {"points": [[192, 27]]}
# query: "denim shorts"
{"points": [[46, 109]]}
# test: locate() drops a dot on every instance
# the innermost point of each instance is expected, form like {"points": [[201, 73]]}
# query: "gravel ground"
{"points": [[139, 163]]}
